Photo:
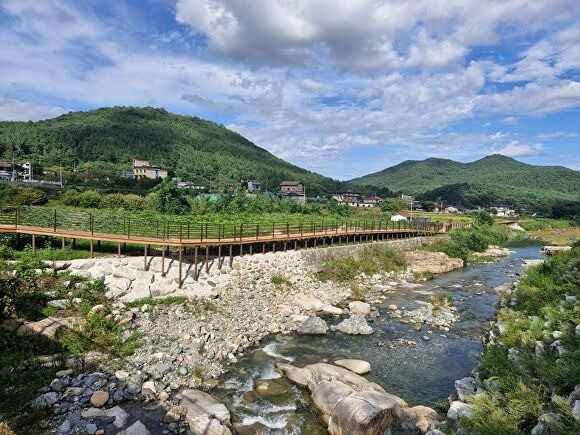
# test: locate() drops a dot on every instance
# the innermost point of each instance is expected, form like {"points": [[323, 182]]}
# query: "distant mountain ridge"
{"points": [[195, 149], [492, 179]]}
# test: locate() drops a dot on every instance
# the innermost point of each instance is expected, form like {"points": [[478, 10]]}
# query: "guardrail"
{"points": [[133, 227]]}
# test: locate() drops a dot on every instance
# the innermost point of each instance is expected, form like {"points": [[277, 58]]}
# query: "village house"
{"points": [[502, 211], [293, 190], [356, 200], [253, 186], [143, 169]]}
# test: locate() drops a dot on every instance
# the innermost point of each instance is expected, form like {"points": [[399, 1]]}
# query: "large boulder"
{"points": [[433, 262], [459, 409], [359, 307], [324, 371], [314, 325], [198, 403], [464, 387], [358, 366], [354, 325], [300, 376], [327, 394], [364, 413], [419, 418]]}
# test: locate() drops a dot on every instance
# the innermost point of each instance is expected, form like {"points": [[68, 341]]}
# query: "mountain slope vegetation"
{"points": [[493, 179], [195, 149]]}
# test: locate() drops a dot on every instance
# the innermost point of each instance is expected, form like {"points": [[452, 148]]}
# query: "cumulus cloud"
{"points": [[13, 110], [311, 81], [516, 149], [361, 34]]}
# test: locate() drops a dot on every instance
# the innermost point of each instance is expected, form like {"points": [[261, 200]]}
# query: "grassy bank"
{"points": [[373, 259], [25, 293], [533, 365], [553, 231], [464, 242]]}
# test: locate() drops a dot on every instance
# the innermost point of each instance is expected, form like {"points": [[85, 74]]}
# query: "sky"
{"points": [[340, 87]]}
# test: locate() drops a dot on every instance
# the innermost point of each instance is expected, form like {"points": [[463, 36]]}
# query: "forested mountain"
{"points": [[195, 149], [493, 179]]}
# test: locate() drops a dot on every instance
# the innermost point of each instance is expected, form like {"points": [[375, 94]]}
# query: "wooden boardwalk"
{"points": [[237, 238]]}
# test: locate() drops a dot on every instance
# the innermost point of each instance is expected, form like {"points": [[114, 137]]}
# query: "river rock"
{"points": [[99, 398], [493, 251], [459, 409], [45, 400], [324, 371], [198, 403], [359, 307], [433, 262], [354, 325], [418, 418], [327, 394], [270, 387], [314, 325], [136, 428], [464, 387], [354, 365], [300, 376], [366, 412]]}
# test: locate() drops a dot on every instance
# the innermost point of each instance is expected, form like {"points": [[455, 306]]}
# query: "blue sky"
{"points": [[341, 87]]}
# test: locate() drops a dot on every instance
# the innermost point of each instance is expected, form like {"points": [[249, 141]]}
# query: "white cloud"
{"points": [[13, 110], [516, 149], [298, 83]]}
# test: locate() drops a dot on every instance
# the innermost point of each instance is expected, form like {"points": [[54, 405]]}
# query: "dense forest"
{"points": [[491, 180], [194, 149]]}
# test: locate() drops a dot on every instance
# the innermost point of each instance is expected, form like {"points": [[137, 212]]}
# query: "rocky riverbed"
{"points": [[189, 345]]}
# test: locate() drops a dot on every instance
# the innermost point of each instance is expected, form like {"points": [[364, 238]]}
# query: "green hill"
{"points": [[493, 179], [195, 149]]}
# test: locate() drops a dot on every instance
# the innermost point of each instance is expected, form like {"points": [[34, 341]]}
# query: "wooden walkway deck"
{"points": [[239, 237]]}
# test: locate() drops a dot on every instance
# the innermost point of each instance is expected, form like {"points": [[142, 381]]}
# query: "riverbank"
{"points": [[527, 380], [188, 343]]}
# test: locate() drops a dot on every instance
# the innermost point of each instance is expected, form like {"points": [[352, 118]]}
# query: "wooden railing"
{"points": [[164, 229]]}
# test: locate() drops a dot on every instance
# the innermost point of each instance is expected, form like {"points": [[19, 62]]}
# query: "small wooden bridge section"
{"points": [[238, 238]]}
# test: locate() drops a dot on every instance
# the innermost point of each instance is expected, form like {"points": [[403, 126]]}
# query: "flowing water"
{"points": [[421, 372]]}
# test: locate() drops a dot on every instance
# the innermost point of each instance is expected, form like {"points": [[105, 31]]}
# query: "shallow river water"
{"points": [[421, 373]]}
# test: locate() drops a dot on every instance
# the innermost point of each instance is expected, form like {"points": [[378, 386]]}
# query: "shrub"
{"points": [[71, 197], [134, 202], [89, 199], [30, 196], [113, 200]]}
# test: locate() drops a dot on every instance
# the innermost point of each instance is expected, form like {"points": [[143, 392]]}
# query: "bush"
{"points": [[134, 202], [71, 197], [30, 196], [113, 200], [168, 198], [89, 199]]}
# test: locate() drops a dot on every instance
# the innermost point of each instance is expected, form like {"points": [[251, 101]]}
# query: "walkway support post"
{"points": [[206, 259], [219, 257], [180, 265], [195, 268], [162, 261], [145, 257]]}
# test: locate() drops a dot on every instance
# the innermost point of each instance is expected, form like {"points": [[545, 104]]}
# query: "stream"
{"points": [[420, 371]]}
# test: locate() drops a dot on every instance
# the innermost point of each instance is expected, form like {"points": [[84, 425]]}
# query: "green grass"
{"points": [[280, 280], [372, 260], [359, 292]]}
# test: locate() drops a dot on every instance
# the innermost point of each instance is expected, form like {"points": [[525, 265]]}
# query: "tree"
{"points": [[428, 205], [483, 218], [394, 205], [168, 198]]}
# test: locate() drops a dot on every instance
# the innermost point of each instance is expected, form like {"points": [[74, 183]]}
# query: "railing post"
{"points": [[91, 223], [257, 231], [241, 231], [288, 229], [54, 220], [180, 236], [200, 232], [273, 229]]}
